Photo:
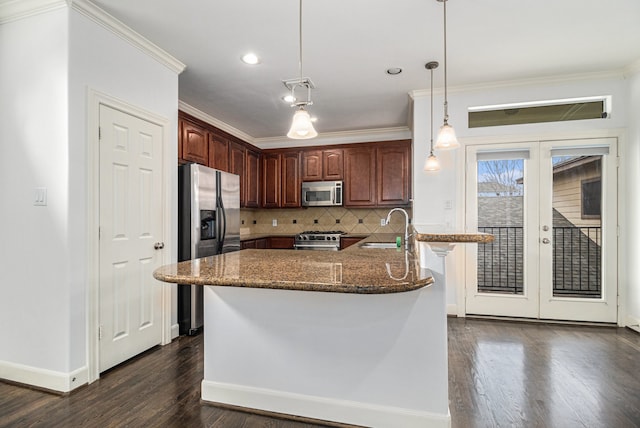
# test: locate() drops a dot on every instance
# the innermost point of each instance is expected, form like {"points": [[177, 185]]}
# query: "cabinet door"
{"points": [[194, 143], [261, 243], [271, 181], [360, 177], [291, 187], [281, 242], [333, 164], [236, 166], [218, 152], [252, 176], [393, 174], [312, 165], [248, 244], [349, 241]]}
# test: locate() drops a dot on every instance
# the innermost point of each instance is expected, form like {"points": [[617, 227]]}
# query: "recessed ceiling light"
{"points": [[394, 70], [289, 99], [250, 58]]}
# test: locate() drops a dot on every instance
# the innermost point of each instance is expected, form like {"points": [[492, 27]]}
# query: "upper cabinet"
{"points": [[252, 178], [378, 174], [218, 152], [393, 174], [319, 165], [194, 143], [281, 179], [360, 177]]}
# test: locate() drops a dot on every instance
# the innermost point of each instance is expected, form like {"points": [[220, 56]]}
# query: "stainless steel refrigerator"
{"points": [[208, 224]]}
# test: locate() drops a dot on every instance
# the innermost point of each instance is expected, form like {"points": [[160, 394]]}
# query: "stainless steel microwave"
{"points": [[321, 193]]}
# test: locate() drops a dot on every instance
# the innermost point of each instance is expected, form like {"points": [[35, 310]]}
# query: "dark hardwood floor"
{"points": [[501, 374]]}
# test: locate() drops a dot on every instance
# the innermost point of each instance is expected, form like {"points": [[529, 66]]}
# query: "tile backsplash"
{"points": [[349, 220]]}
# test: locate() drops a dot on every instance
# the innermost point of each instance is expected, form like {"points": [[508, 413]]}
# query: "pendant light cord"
{"points": [[431, 128], [446, 102], [300, 39]]}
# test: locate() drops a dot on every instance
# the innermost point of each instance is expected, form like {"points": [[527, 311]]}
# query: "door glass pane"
{"points": [[577, 226], [501, 213]]}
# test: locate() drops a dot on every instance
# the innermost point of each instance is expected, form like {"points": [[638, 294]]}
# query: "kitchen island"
{"points": [[356, 336]]}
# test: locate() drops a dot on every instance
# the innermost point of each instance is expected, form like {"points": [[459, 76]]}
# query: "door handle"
{"points": [[158, 246], [546, 241]]}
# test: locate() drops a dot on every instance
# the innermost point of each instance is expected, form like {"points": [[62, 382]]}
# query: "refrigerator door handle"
{"points": [[223, 225]]}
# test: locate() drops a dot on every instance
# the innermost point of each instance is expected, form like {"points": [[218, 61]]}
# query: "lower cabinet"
{"points": [[271, 242], [349, 241], [281, 242]]}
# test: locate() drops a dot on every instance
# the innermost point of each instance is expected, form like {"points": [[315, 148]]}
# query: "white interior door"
{"points": [[130, 308], [552, 209]]}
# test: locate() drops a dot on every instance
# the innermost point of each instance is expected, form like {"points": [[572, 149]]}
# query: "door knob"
{"points": [[158, 245], [546, 241], [545, 228]]}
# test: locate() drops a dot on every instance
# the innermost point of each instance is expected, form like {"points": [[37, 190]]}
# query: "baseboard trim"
{"points": [[41, 378], [633, 323], [452, 309], [175, 331], [320, 408]]}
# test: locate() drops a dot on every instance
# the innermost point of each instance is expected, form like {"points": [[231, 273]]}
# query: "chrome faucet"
{"points": [[406, 225]]}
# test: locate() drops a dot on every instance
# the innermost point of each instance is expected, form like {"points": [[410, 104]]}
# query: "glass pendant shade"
{"points": [[446, 138], [432, 163], [301, 126]]}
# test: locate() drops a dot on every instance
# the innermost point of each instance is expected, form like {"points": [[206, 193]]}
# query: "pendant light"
{"points": [[432, 163], [447, 136], [301, 125]]}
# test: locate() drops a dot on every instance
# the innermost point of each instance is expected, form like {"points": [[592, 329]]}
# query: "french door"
{"points": [[552, 207]]}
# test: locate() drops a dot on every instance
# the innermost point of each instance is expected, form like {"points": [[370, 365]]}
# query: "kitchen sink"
{"points": [[379, 245]]}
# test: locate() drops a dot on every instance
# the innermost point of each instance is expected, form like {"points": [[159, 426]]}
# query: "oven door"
{"points": [[321, 247]]}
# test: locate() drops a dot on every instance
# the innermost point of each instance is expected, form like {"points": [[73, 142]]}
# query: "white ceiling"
{"points": [[349, 44]]}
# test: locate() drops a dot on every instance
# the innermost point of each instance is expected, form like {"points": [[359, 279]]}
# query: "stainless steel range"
{"points": [[318, 240]]}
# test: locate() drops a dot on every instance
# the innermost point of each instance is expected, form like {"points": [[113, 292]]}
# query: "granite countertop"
{"points": [[422, 235], [353, 270]]}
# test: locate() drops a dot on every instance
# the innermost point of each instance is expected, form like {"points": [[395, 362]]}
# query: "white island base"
{"points": [[374, 360]]}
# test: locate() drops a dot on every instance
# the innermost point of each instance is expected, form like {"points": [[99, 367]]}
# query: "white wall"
{"points": [[630, 233], [101, 60], [36, 280], [48, 62], [433, 190]]}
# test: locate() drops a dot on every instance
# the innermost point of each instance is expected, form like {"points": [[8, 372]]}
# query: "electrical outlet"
{"points": [[383, 222], [274, 222]]}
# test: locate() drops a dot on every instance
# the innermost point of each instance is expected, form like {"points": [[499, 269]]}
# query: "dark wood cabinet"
{"points": [[262, 243], [333, 164], [290, 180], [378, 175], [194, 143], [393, 174], [218, 152], [360, 177], [348, 241], [312, 165], [252, 177], [237, 166], [281, 179], [271, 180], [248, 244], [281, 242], [319, 165]]}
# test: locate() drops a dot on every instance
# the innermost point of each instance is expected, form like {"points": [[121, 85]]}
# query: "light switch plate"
{"points": [[383, 222], [40, 196], [274, 222]]}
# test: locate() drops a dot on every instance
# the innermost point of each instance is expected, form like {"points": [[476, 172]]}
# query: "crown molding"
{"points": [[611, 74], [215, 122], [332, 138], [13, 10], [120, 29]]}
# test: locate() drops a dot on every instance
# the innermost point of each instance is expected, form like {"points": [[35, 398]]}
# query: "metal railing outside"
{"points": [[577, 264]]}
